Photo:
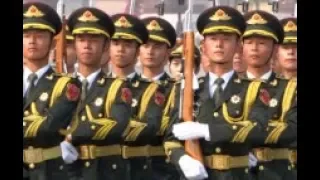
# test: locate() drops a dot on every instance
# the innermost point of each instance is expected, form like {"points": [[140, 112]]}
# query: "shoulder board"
{"points": [[63, 74]]}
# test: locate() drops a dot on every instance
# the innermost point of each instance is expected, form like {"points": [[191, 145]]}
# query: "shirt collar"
{"points": [[89, 78], [264, 77], [155, 78], [39, 73], [226, 77]]}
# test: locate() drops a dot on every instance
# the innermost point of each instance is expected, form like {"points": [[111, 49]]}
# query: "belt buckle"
{"points": [[88, 152], [146, 150], [264, 154], [32, 155], [293, 156], [220, 162]]}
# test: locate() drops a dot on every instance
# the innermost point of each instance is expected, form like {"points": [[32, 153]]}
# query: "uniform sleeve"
{"points": [[61, 112], [173, 147]]}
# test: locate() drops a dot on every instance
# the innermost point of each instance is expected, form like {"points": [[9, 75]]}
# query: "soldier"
{"points": [[238, 63], [176, 62], [287, 51], [260, 39], [231, 112], [287, 57], [129, 36], [153, 57], [104, 110], [49, 99]]}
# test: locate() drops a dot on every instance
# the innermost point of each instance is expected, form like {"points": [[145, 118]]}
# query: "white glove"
{"points": [[69, 152], [252, 160], [192, 169], [191, 130]]}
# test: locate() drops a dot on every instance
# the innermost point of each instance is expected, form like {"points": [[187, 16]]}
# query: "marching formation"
{"points": [[96, 124]]}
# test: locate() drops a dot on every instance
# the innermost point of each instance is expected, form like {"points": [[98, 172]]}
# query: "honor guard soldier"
{"points": [[287, 57], [231, 112], [148, 98], [176, 62], [105, 105], [144, 143], [287, 51], [260, 40], [49, 99]]}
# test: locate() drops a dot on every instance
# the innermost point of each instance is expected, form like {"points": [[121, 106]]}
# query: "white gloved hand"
{"points": [[192, 169], [191, 130], [69, 152], [252, 160]]}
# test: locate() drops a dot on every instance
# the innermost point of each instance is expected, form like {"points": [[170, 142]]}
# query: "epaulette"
{"points": [[63, 74]]}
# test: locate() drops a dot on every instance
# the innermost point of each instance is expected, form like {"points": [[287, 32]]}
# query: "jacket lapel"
{"points": [[95, 88], [44, 85], [232, 88]]}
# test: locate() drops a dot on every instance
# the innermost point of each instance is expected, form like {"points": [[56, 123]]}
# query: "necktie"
{"points": [[218, 92], [31, 79], [84, 89]]}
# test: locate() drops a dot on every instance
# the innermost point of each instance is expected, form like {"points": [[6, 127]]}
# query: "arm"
{"points": [[64, 101]]}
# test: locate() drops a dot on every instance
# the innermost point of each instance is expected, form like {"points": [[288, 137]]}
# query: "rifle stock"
{"points": [[192, 147]]}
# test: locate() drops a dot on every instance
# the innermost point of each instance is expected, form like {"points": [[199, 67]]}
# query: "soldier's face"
{"points": [[154, 54], [123, 53], [220, 48], [36, 44], [71, 54], [89, 48], [257, 51], [175, 67], [287, 57], [238, 63]]}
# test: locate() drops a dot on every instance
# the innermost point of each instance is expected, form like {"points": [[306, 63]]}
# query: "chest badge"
{"points": [[44, 97], [98, 102], [134, 103], [235, 99], [273, 102]]}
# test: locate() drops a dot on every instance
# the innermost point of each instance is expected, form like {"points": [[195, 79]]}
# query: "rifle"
{"points": [[192, 147], [60, 39]]}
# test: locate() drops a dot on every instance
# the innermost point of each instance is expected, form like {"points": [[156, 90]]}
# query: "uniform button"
{"points": [[218, 150], [93, 127], [26, 113], [234, 127], [246, 170], [215, 114], [261, 168], [100, 115], [87, 164], [267, 129], [61, 167], [145, 167], [114, 166], [24, 123], [31, 166], [83, 118], [255, 123], [237, 112], [289, 168], [167, 160]]}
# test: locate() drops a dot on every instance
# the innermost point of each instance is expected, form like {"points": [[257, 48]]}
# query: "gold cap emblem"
{"points": [[220, 15], [33, 11], [256, 19], [154, 26], [290, 26], [123, 22], [88, 17]]}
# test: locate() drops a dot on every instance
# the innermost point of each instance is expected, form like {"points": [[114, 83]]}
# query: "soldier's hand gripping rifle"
{"points": [[61, 40], [192, 147]]}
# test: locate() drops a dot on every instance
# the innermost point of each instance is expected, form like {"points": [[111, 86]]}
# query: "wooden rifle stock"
{"points": [[60, 47], [192, 147]]}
